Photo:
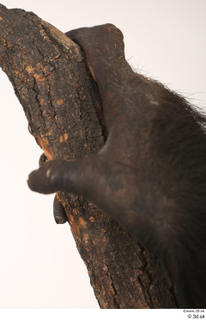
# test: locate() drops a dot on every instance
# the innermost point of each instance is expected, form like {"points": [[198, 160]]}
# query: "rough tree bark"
{"points": [[64, 111]]}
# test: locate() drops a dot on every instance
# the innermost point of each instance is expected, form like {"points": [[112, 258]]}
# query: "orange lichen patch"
{"points": [[82, 223], [43, 33], [74, 228], [63, 138], [45, 141], [38, 77], [86, 237], [29, 69], [42, 143], [59, 102], [91, 219]]}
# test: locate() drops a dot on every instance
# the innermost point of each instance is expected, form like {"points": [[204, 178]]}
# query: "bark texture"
{"points": [[64, 111]]}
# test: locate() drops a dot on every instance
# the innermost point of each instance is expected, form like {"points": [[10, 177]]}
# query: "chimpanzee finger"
{"points": [[59, 213]]}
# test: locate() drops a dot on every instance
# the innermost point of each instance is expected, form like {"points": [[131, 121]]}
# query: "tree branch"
{"points": [[64, 111]]}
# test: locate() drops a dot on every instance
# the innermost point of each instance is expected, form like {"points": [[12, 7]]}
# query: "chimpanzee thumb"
{"points": [[107, 183], [81, 177]]}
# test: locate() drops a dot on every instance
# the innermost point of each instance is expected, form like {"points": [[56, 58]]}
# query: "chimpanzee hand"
{"points": [[151, 173], [114, 170]]}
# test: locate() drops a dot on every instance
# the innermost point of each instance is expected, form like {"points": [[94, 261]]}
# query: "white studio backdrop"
{"points": [[40, 266]]}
